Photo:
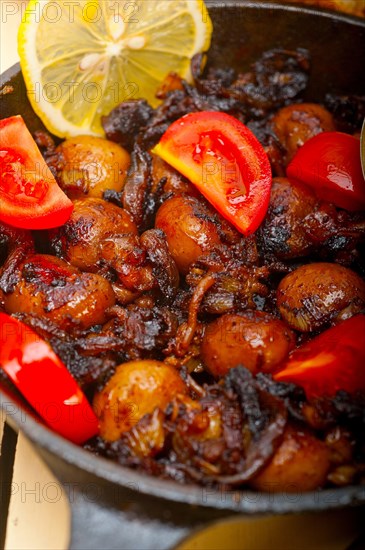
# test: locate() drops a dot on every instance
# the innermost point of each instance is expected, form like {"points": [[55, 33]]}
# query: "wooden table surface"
{"points": [[37, 515]]}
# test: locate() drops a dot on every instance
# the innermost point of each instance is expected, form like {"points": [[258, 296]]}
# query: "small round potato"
{"points": [[89, 165], [84, 239], [175, 183], [301, 463], [283, 232], [136, 389], [49, 287], [190, 227], [315, 294], [254, 339], [297, 123]]}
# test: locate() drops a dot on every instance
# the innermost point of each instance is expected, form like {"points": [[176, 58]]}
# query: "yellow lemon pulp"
{"points": [[81, 58]]}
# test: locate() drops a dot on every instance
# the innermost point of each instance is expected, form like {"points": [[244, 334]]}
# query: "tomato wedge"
{"points": [[225, 161], [29, 195], [44, 381], [332, 361], [330, 163]]}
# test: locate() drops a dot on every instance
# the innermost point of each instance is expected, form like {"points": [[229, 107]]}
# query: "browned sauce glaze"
{"points": [[171, 321]]}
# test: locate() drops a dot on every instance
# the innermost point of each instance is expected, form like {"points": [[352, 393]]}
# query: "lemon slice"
{"points": [[81, 58]]}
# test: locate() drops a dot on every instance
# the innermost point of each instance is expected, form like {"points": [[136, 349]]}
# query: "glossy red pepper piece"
{"points": [[30, 197], [330, 163], [44, 381], [332, 361], [225, 161]]}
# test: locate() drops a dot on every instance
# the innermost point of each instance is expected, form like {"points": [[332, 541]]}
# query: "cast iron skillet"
{"points": [[114, 507]]}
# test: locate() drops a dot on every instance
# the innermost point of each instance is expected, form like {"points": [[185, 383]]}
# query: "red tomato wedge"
{"points": [[29, 195], [330, 163], [225, 161], [332, 361], [44, 381]]}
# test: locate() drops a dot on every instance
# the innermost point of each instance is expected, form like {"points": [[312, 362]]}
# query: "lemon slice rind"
{"points": [[69, 79]]}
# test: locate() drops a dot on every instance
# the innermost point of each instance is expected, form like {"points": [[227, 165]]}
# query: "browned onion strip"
{"points": [[164, 267], [186, 331], [18, 243], [256, 437], [137, 185], [260, 452]]}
